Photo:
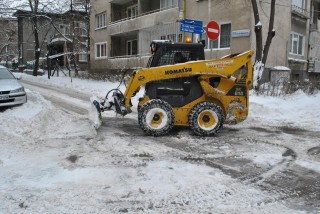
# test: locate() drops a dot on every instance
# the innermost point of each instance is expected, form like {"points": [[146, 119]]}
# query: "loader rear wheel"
{"points": [[156, 117], [206, 119]]}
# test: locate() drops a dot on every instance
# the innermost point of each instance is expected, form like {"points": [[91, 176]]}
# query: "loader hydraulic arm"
{"points": [[224, 67]]}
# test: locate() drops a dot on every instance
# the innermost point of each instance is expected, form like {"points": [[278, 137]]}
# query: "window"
{"points": [[64, 29], [101, 50], [132, 47], [180, 37], [132, 11], [165, 4], [83, 57], [296, 43], [173, 55], [298, 3], [225, 35], [82, 29], [83, 32], [224, 40], [101, 20], [171, 37]]}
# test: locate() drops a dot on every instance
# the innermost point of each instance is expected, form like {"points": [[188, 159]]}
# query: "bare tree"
{"points": [[78, 31], [5, 5], [34, 5], [262, 54], [45, 15], [8, 37], [8, 33]]}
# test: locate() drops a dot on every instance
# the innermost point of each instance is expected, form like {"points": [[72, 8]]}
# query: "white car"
{"points": [[11, 91]]}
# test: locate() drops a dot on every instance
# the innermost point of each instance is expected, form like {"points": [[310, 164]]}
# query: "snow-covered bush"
{"points": [[279, 88]]}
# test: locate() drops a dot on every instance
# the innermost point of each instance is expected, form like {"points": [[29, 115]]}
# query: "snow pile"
{"points": [[39, 118], [36, 107], [298, 110]]}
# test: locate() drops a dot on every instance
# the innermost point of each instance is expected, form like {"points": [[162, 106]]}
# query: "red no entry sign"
{"points": [[213, 30]]}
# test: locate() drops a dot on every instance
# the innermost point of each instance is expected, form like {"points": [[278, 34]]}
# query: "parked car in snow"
{"points": [[11, 91]]}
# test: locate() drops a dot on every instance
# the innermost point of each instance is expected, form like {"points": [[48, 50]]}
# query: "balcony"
{"points": [[301, 12], [144, 20]]}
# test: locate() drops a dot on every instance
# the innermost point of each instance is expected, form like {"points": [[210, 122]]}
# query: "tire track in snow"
{"points": [[69, 100]]}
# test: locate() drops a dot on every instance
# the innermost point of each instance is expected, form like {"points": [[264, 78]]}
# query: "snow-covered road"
{"points": [[52, 161], [65, 98]]}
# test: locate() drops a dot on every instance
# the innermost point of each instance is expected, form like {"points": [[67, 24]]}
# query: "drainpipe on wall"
{"points": [[139, 35], [309, 35]]}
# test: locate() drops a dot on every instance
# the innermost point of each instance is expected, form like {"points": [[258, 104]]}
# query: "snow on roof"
{"points": [[46, 6], [280, 68], [60, 39], [297, 60]]}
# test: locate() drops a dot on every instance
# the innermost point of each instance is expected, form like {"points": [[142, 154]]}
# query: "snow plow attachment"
{"points": [[95, 112], [97, 106]]}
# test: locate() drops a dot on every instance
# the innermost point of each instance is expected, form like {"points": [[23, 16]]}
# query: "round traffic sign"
{"points": [[213, 30]]}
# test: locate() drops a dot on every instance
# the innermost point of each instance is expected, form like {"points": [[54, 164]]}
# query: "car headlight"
{"points": [[18, 90]]}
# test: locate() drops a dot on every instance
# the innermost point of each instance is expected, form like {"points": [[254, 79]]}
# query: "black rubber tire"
{"points": [[206, 108], [153, 108], [138, 108]]}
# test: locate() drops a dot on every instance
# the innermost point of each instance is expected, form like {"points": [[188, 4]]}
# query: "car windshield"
{"points": [[5, 74]]}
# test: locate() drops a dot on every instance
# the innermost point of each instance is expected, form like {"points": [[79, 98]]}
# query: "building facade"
{"points": [[8, 41], [314, 41], [121, 30], [58, 34]]}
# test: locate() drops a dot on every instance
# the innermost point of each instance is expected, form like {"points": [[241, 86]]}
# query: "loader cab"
{"points": [[180, 91], [165, 52]]}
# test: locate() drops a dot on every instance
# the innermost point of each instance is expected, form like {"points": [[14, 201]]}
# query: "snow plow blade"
{"points": [[95, 112]]}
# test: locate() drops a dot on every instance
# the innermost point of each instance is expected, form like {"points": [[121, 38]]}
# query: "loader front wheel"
{"points": [[156, 117], [206, 119]]}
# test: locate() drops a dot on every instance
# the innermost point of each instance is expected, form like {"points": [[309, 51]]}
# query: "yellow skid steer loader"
{"points": [[183, 89]]}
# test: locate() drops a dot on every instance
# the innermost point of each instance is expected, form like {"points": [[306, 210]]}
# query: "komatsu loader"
{"points": [[183, 89]]}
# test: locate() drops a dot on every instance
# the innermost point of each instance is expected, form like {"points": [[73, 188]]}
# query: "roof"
{"points": [[8, 19], [29, 13], [59, 40]]}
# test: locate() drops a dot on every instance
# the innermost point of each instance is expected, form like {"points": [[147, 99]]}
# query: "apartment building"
{"points": [[290, 45], [123, 30], [59, 33]]}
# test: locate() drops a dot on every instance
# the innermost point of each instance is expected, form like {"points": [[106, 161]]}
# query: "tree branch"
{"points": [[258, 30], [271, 32]]}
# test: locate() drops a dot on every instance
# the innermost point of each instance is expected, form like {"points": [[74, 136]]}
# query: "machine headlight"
{"points": [[18, 90]]}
